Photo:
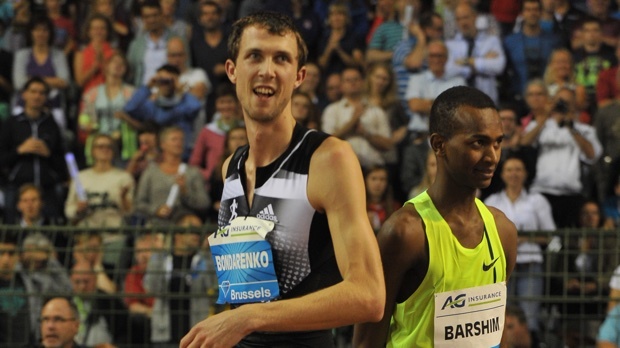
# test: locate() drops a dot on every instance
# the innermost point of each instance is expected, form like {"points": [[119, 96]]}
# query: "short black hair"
{"points": [[72, 306], [150, 4], [275, 23], [39, 80], [444, 110], [41, 20], [225, 89], [169, 68]]}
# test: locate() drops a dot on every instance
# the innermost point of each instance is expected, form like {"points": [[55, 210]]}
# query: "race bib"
{"points": [[244, 261], [472, 317]]}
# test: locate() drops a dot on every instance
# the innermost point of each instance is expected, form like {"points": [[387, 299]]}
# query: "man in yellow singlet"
{"points": [[446, 256]]}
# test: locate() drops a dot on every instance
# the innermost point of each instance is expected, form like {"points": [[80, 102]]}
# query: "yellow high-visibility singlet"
{"points": [[451, 267]]}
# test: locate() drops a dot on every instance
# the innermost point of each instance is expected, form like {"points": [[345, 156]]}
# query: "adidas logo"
{"points": [[267, 214]]}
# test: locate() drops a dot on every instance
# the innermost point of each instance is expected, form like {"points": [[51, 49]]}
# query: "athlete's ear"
{"points": [[231, 70], [438, 144], [301, 76]]}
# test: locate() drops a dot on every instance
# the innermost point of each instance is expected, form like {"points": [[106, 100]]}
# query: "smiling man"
{"points": [[445, 254], [59, 323], [308, 188]]}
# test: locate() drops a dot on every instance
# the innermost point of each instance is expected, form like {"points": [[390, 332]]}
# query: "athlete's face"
{"points": [[265, 73], [472, 153]]}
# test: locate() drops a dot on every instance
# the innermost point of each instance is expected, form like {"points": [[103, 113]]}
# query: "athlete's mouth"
{"points": [[264, 92]]}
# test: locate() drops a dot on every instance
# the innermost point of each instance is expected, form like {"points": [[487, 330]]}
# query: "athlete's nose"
{"points": [[266, 68]]}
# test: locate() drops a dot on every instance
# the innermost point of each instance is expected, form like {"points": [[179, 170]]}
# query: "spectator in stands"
{"points": [[581, 279], [208, 47], [422, 89], [17, 315], [364, 126], [235, 138], [30, 206], [304, 111], [340, 46], [170, 105], [309, 25], [103, 194], [606, 83], [606, 123], [16, 34], [611, 204], [120, 33], [210, 142], [333, 91], [6, 80], [428, 173], [89, 61], [88, 249], [147, 52], [600, 11], [592, 58], [380, 202], [567, 20], [560, 73], [193, 80], [41, 59], [562, 142], [59, 323], [380, 86], [311, 83], [529, 49], [410, 55], [516, 332], [484, 21], [31, 149], [475, 55], [184, 270], [156, 197], [529, 211], [140, 307], [389, 33], [103, 319], [148, 150], [101, 111], [65, 37]]}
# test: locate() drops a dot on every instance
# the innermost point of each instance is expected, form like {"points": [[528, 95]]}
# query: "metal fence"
{"points": [[569, 306]]}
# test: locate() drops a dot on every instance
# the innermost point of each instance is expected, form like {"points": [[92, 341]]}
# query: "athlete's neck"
{"points": [[269, 140]]}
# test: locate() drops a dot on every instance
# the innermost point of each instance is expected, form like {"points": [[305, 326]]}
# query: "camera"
{"points": [[561, 107]]}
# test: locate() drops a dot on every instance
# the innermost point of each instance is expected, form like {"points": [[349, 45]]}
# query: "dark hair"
{"points": [[217, 6], [149, 126], [516, 311], [226, 89], [444, 110], [41, 21], [526, 1], [9, 236], [169, 68], [588, 20], [89, 21], [150, 4], [36, 79], [356, 68], [275, 23], [426, 19]]}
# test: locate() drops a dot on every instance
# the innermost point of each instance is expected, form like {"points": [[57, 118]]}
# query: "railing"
{"points": [[575, 273]]}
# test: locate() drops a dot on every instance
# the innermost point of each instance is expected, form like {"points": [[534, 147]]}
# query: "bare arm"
{"points": [[359, 297], [415, 59], [420, 105], [530, 137], [584, 145], [375, 55], [401, 242]]}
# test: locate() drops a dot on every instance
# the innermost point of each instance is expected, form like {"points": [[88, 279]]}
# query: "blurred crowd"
{"points": [[118, 113]]}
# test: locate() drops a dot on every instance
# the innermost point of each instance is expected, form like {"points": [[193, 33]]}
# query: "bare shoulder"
{"points": [[403, 236]]}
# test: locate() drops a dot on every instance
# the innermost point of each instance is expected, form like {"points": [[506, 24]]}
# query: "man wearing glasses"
{"points": [[59, 324]]}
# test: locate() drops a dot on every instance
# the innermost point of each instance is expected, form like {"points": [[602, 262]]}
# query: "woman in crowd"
{"points": [[103, 194], [40, 58], [428, 177], [102, 110], [380, 203], [89, 62], [170, 189], [304, 111], [529, 212], [339, 47]]}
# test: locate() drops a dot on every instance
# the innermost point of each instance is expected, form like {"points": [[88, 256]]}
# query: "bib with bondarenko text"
{"points": [[244, 261]]}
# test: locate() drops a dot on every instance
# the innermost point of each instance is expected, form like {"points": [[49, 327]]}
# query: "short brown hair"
{"points": [[275, 23]]}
